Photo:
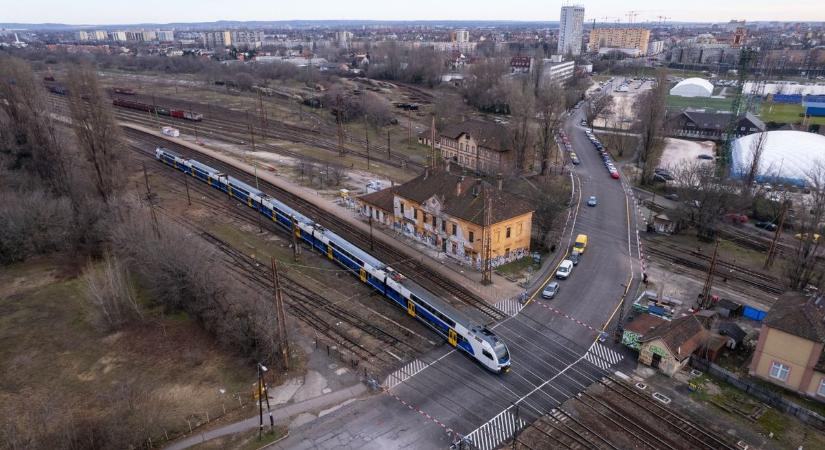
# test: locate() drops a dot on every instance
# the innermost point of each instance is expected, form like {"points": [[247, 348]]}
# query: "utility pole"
{"points": [[389, 152], [709, 280], [251, 131], [280, 317], [155, 110], [340, 122], [371, 241], [367, 140], [263, 112], [432, 143], [186, 183], [296, 249], [409, 119], [260, 403], [772, 249], [487, 251]]}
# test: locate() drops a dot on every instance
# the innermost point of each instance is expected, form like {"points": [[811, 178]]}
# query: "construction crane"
{"points": [[663, 19], [746, 57], [631, 16]]}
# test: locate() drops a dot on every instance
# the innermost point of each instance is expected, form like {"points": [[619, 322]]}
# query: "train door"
{"points": [[410, 308], [363, 275], [452, 337], [329, 251], [249, 200]]}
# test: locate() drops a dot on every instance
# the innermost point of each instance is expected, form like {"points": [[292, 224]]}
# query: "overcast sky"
{"points": [[164, 11]]}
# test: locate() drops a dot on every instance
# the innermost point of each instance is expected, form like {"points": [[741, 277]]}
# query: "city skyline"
{"points": [[98, 12]]}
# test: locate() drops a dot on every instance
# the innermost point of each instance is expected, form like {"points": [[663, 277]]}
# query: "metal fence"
{"points": [[762, 393]]}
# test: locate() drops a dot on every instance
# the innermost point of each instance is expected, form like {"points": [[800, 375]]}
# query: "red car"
{"points": [[614, 175]]}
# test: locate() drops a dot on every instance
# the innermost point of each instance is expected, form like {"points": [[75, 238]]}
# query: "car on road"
{"points": [[804, 236], [614, 175], [770, 226], [574, 158], [673, 197], [592, 201], [575, 257], [550, 290], [581, 243], [564, 269], [705, 156]]}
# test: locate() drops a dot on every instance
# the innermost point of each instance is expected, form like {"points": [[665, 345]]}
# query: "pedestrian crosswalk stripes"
{"points": [[510, 306], [497, 430], [602, 356], [402, 374]]}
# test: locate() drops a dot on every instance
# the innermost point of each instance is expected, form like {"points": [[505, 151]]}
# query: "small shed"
{"points": [[728, 308], [663, 225], [668, 346], [637, 327], [734, 334]]}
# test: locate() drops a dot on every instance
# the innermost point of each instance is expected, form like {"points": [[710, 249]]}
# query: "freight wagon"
{"points": [[160, 110]]}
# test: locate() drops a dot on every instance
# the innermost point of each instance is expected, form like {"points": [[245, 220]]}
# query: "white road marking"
{"points": [[602, 356], [496, 430]]}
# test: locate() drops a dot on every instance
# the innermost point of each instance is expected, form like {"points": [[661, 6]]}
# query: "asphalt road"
{"points": [[552, 344]]}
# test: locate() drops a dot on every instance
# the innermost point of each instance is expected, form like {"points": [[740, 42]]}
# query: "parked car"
{"points": [[550, 290], [564, 269], [770, 226], [575, 257], [614, 175], [574, 158], [673, 197], [591, 201], [705, 157], [804, 236]]}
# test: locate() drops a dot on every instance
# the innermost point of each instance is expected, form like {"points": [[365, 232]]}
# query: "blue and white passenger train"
{"points": [[475, 340]]}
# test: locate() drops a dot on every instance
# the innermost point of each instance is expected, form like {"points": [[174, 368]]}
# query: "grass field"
{"points": [[56, 361], [718, 104], [785, 113]]}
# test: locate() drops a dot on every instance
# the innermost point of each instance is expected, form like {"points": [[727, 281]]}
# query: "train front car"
{"points": [[495, 354]]}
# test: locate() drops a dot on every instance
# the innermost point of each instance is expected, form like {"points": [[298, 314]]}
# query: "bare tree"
{"points": [[483, 85], [707, 196], [802, 269], [97, 132], [109, 289], [39, 144], [753, 166], [521, 103], [652, 106], [549, 106]]}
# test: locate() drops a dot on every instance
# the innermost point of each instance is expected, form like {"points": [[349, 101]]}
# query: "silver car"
{"points": [[550, 290]]}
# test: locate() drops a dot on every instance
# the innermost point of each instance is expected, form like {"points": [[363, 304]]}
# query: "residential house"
{"points": [[483, 147], [455, 214], [712, 125], [789, 352]]}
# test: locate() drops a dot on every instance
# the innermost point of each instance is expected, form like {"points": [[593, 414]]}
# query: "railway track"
{"points": [[317, 311], [224, 125], [415, 270], [620, 409], [701, 262]]}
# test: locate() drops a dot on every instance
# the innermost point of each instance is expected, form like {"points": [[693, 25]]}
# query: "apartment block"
{"points": [[619, 38]]}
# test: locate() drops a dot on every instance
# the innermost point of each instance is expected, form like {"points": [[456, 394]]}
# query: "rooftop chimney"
{"points": [[426, 172], [477, 187], [458, 186], [499, 181]]}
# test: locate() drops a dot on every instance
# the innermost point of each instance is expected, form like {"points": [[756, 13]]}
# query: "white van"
{"points": [[564, 269]]}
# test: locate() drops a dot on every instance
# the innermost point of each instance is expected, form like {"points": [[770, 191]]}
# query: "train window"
{"points": [[487, 354]]}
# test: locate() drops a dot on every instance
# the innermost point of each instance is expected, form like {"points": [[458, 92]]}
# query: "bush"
{"points": [[32, 223]]}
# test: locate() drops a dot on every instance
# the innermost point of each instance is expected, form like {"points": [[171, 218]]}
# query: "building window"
{"points": [[443, 225], [415, 214], [508, 233], [455, 229], [471, 237], [821, 390], [520, 226], [461, 146], [433, 222], [402, 208], [454, 248], [498, 236], [779, 371]]}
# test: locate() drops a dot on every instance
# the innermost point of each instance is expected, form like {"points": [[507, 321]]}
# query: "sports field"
{"points": [[785, 113], [716, 104]]}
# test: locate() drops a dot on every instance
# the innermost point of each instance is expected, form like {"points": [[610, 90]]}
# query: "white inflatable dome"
{"points": [[790, 157], [693, 87]]}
